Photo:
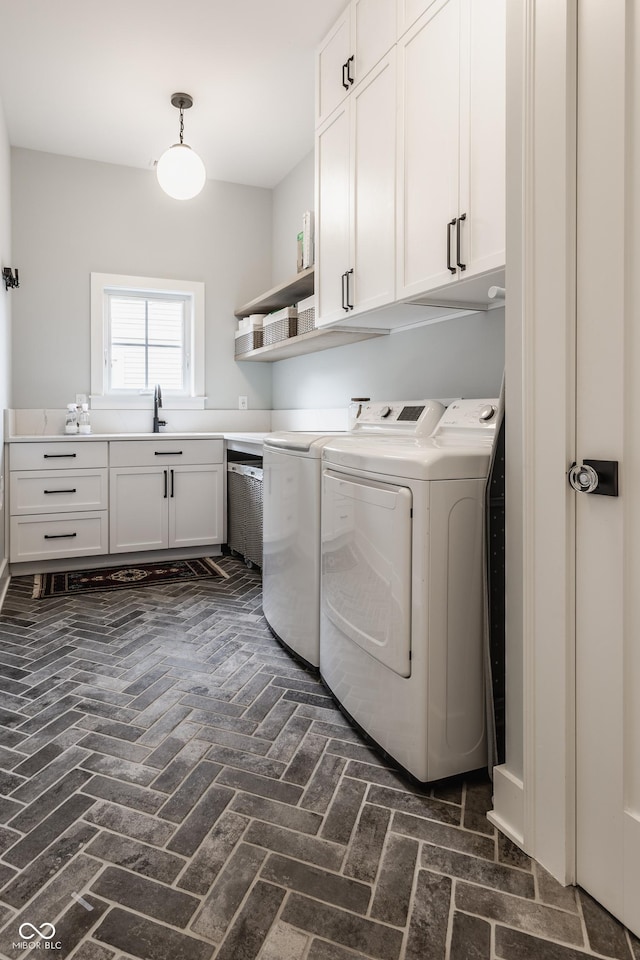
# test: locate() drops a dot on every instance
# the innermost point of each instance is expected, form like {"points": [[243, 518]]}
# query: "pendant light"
{"points": [[180, 171]]}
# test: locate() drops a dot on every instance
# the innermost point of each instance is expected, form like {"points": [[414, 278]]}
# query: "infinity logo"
{"points": [[24, 927]]}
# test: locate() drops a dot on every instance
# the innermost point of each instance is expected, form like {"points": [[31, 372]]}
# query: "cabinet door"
{"points": [[482, 135], [138, 515], [195, 505], [332, 215], [428, 77], [409, 11], [373, 187], [332, 84], [374, 26]]}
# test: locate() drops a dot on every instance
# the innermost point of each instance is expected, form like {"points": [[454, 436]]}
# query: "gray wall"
{"points": [[291, 198], [72, 217], [6, 297], [462, 357]]}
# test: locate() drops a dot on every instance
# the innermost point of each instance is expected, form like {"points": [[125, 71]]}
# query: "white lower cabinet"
{"points": [[165, 492], [51, 536], [58, 500], [97, 497], [152, 508]]}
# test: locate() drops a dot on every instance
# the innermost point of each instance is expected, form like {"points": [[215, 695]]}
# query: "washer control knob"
{"points": [[487, 413], [384, 412]]}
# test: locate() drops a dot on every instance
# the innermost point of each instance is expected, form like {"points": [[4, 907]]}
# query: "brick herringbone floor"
{"points": [[175, 787]]}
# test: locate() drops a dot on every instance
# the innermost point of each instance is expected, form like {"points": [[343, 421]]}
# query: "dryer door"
{"points": [[366, 565]]}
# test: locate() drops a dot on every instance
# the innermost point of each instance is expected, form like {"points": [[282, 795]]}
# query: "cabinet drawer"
{"points": [[58, 491], [59, 455], [48, 536], [165, 452]]}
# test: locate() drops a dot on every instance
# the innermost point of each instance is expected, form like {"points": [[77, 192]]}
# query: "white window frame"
{"points": [[104, 284]]}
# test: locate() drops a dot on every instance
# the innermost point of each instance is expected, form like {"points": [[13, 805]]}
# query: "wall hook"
{"points": [[9, 279]]}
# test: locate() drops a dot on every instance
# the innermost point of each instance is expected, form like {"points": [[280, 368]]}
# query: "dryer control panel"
{"points": [[413, 418]]}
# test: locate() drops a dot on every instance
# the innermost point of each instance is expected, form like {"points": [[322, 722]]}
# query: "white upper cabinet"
{"points": [[373, 188], [333, 215], [410, 159], [409, 11], [355, 199], [428, 149], [451, 186], [482, 136], [374, 23], [355, 44], [332, 68]]}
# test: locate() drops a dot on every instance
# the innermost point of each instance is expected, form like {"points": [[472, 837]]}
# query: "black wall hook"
{"points": [[9, 279]]}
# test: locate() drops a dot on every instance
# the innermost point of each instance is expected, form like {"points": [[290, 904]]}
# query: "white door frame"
{"points": [[534, 790]]}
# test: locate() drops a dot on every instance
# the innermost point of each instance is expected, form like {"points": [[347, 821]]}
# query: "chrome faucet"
{"points": [[157, 404]]}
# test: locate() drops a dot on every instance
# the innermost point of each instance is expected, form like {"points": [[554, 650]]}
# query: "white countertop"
{"points": [[87, 437], [242, 441]]}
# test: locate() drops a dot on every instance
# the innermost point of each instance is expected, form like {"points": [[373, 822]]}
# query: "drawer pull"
{"points": [[59, 536], [168, 453], [72, 490], [59, 456]]}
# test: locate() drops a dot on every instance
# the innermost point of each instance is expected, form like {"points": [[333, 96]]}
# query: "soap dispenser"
{"points": [[71, 419], [84, 422]]}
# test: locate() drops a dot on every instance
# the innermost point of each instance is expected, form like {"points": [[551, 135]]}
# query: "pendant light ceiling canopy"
{"points": [[180, 171]]}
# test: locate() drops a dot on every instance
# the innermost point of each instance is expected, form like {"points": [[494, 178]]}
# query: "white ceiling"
{"points": [[94, 79]]}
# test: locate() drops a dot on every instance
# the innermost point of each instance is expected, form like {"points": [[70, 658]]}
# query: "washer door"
{"points": [[366, 565]]}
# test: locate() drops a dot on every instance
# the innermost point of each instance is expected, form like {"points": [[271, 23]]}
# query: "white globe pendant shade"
{"points": [[181, 172]]}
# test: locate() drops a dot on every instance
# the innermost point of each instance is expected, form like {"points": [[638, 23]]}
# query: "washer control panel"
{"points": [[404, 417], [468, 416]]}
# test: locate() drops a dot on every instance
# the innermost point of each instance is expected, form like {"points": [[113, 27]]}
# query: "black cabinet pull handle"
{"points": [[166, 476], [59, 456], [172, 481], [59, 536], [349, 77], [168, 453], [344, 295], [345, 68], [349, 305], [462, 266], [73, 490], [450, 224]]}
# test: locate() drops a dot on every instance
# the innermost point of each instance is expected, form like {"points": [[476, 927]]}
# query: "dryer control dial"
{"points": [[487, 413], [384, 412]]}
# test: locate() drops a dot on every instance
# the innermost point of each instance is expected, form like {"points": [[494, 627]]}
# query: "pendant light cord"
{"points": [[181, 123]]}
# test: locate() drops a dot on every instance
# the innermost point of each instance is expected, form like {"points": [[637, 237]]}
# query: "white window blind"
{"points": [[148, 338]]}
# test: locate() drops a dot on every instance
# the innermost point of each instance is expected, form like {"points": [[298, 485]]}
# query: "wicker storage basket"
{"points": [[250, 340], [280, 326], [306, 315]]}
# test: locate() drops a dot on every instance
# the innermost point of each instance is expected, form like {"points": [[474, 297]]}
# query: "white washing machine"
{"points": [[402, 599], [291, 529], [291, 540]]}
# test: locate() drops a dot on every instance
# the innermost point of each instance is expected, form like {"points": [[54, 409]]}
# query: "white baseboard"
{"points": [[5, 580], [508, 805]]}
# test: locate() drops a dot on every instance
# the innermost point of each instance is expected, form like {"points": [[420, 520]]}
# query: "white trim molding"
{"points": [[195, 290], [5, 580], [534, 799]]}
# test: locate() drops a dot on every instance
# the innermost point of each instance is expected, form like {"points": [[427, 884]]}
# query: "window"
{"points": [[146, 331]]}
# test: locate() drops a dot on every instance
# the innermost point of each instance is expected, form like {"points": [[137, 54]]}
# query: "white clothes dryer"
{"points": [[402, 597], [291, 540]]}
